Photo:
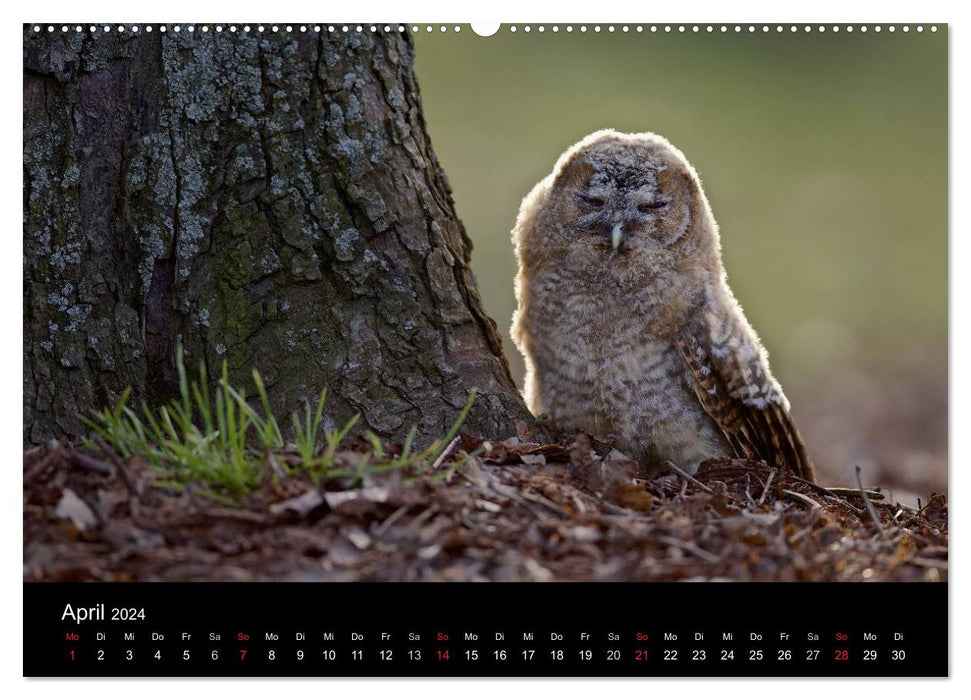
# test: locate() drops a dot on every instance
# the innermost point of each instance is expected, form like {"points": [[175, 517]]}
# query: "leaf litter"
{"points": [[505, 511]]}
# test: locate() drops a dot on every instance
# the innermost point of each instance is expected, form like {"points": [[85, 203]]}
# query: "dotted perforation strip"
{"points": [[428, 28]]}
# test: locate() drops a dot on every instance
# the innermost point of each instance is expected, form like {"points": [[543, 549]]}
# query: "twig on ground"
{"points": [[686, 476], [843, 503], [236, 514], [869, 506], [768, 483], [417, 521], [803, 498], [90, 463], [841, 491], [543, 501], [689, 547], [390, 520], [445, 453], [749, 501]]}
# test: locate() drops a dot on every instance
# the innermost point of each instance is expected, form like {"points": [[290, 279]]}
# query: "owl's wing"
{"points": [[732, 381]]}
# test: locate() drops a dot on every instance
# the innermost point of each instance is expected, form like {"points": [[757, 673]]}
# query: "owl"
{"points": [[625, 319]]}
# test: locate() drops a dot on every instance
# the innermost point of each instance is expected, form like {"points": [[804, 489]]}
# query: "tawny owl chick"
{"points": [[626, 321]]}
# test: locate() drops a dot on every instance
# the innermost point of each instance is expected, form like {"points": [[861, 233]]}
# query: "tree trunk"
{"points": [[267, 199]]}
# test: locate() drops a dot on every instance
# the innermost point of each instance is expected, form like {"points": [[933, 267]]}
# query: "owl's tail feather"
{"points": [[755, 431], [778, 441]]}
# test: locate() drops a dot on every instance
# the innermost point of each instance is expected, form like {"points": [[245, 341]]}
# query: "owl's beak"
{"points": [[616, 237]]}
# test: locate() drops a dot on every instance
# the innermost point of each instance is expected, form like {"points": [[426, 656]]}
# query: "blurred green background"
{"points": [[824, 157]]}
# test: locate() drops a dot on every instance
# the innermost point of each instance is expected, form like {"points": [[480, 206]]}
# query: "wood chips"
{"points": [[516, 512]]}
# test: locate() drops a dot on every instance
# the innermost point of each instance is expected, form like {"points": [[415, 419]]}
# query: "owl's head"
{"points": [[617, 203]]}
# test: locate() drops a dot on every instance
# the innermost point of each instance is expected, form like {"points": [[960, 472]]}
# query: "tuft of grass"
{"points": [[219, 444]]}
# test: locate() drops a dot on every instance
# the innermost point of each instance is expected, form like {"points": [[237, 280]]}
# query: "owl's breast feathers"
{"points": [[730, 376]]}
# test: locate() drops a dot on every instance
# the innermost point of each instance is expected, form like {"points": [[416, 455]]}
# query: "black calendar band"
{"points": [[485, 629]]}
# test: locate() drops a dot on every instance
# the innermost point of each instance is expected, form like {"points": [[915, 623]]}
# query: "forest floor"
{"points": [[514, 512]]}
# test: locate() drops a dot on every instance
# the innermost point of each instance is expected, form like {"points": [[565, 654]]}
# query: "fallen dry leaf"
{"points": [[72, 508]]}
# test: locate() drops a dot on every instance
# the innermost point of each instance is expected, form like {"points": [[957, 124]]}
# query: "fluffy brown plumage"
{"points": [[626, 321]]}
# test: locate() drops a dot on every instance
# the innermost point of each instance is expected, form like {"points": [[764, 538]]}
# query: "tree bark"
{"points": [[267, 199]]}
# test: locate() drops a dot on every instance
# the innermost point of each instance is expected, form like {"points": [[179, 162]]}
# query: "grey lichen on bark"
{"points": [[267, 199]]}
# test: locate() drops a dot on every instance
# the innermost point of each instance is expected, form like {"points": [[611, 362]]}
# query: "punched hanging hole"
{"points": [[485, 28]]}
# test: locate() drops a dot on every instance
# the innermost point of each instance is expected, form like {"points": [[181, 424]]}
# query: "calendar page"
{"points": [[547, 349]]}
